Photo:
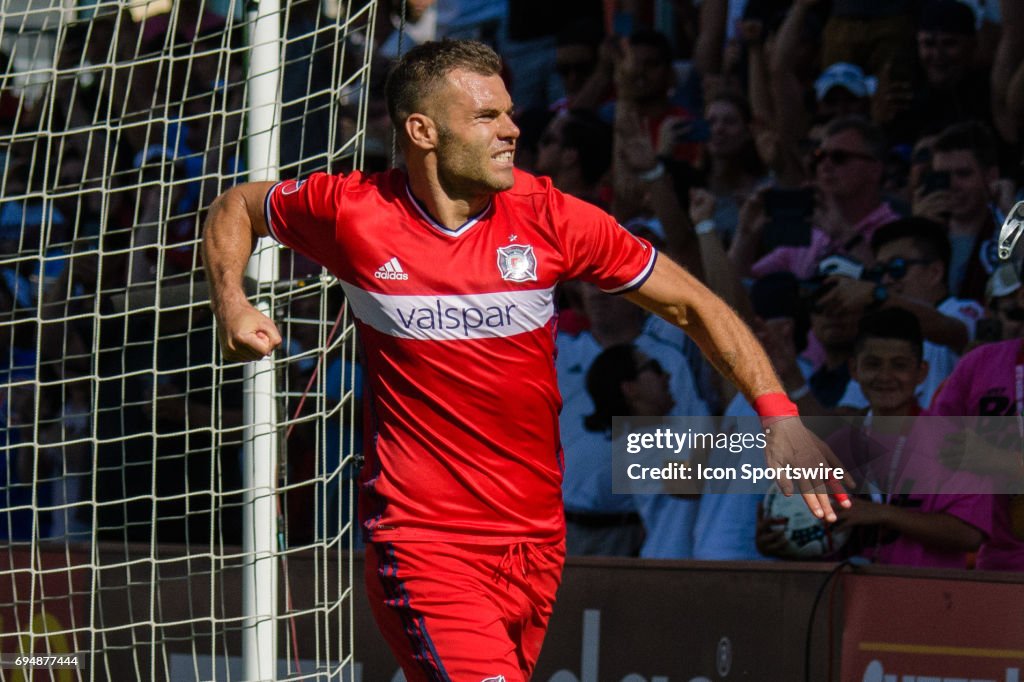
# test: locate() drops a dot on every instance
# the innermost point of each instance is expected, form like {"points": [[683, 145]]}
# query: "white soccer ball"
{"points": [[807, 536]]}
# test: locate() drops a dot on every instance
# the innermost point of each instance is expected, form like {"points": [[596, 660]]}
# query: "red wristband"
{"points": [[775, 405]]}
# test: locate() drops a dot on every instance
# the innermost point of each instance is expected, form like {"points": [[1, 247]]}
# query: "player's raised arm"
{"points": [[676, 295], [232, 227]]}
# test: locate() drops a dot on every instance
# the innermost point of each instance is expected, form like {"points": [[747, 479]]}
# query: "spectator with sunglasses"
{"points": [[912, 257], [590, 507], [849, 170], [623, 381]]}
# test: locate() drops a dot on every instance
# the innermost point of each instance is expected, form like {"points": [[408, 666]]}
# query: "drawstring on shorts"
{"points": [[519, 555]]}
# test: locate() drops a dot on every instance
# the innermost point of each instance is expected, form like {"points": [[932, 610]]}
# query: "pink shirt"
{"points": [[803, 261], [983, 384], [870, 454], [975, 510]]}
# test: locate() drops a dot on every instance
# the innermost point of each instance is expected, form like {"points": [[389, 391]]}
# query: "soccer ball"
{"points": [[807, 536]]}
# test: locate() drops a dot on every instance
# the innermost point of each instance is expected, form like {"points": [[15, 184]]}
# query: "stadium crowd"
{"points": [[837, 170]]}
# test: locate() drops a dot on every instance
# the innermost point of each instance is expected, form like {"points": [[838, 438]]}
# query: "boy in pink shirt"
{"points": [[911, 528]]}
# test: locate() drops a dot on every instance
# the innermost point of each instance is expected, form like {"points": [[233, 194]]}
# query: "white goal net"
{"points": [[163, 515]]}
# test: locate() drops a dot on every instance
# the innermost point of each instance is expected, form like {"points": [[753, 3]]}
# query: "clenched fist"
{"points": [[246, 334]]}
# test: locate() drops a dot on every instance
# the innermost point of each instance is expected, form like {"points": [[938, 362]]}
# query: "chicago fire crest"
{"points": [[517, 263]]}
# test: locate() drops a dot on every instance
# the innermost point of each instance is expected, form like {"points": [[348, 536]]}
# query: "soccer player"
{"points": [[449, 267]]}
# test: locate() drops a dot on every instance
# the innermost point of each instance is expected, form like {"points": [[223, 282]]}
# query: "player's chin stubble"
{"points": [[466, 169]]}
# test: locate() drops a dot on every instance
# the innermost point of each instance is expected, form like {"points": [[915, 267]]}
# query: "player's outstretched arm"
{"points": [[232, 227], [677, 296]]}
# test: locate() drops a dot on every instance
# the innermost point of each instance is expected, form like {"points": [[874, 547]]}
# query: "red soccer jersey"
{"points": [[458, 328]]}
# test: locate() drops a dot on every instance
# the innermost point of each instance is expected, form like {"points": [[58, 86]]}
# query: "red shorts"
{"points": [[464, 613]]}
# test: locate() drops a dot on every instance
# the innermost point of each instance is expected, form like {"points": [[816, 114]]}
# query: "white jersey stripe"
{"points": [[266, 212], [639, 279], [452, 318]]}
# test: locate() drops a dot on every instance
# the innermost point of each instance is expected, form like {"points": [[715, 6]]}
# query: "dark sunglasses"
{"points": [[839, 157], [651, 366], [896, 268], [1015, 314]]}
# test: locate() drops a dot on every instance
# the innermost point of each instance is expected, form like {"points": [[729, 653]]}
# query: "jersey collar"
{"points": [[460, 230]]}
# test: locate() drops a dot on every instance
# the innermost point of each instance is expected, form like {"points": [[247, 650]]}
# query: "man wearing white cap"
{"points": [[842, 90], [1005, 298]]}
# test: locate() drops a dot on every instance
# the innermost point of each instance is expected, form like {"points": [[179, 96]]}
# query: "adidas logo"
{"points": [[391, 270]]}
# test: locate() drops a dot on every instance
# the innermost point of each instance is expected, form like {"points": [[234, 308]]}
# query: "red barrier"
{"points": [[928, 629]]}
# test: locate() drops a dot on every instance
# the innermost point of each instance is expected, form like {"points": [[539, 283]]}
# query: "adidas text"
{"points": [[379, 274]]}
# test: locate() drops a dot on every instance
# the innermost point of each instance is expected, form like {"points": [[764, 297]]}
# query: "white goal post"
{"points": [[165, 515]]}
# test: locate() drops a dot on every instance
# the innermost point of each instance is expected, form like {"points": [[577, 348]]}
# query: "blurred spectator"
{"points": [[419, 26], [613, 321], [644, 77], [849, 206], [913, 259], [532, 123], [836, 329], [626, 382], [946, 88], [732, 164], [788, 65], [166, 214], [959, 193], [598, 522], [1005, 299], [576, 151], [578, 56], [648, 185], [843, 90], [814, 384]]}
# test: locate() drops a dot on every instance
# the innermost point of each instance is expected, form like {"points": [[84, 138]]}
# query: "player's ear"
{"points": [[422, 131]]}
